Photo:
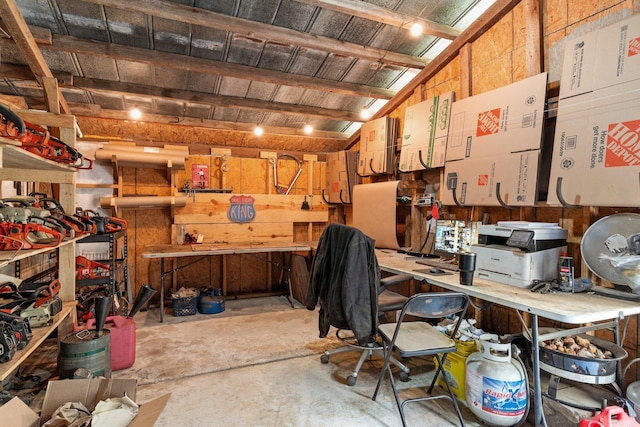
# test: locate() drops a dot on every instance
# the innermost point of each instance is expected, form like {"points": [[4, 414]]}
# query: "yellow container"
{"points": [[455, 368]]}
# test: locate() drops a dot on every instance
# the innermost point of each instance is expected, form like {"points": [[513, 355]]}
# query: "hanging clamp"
{"points": [[284, 189]]}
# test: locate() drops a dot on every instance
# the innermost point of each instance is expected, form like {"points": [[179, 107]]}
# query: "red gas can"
{"points": [[611, 416], [123, 340]]}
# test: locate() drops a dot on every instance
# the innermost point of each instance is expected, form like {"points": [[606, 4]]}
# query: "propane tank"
{"points": [[496, 386]]}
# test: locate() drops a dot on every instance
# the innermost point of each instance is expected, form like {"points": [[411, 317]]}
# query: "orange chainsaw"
{"points": [[38, 140]]}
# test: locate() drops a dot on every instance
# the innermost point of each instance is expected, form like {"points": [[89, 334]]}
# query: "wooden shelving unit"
{"points": [[17, 164]]}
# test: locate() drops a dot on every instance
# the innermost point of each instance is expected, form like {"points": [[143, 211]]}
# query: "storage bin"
{"points": [[185, 306]]}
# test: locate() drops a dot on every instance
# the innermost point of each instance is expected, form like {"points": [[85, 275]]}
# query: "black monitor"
{"points": [[453, 236]]}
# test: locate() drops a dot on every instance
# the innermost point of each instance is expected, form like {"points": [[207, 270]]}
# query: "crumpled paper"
{"points": [[185, 292], [71, 414], [112, 412]]}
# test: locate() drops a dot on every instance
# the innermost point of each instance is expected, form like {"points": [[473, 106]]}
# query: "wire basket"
{"points": [[184, 306]]}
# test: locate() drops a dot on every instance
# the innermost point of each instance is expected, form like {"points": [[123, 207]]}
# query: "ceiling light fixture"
{"points": [[365, 113], [308, 129], [416, 29], [258, 131], [135, 113]]}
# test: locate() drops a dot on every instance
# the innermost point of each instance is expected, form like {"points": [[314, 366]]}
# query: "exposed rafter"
{"points": [[205, 66], [176, 12], [24, 40], [385, 16]]}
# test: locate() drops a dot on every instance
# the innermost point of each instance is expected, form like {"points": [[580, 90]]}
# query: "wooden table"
{"points": [[201, 251], [596, 311]]}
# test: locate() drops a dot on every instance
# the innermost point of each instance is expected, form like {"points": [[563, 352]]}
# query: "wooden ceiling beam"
{"points": [[24, 40], [94, 111], [385, 16], [208, 19], [200, 65]]}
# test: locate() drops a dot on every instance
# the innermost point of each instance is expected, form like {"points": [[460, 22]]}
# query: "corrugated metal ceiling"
{"points": [[234, 62]]}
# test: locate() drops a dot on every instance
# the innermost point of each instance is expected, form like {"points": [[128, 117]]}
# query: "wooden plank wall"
{"points": [[279, 217]]}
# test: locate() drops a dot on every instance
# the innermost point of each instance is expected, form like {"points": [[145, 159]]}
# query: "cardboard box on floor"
{"points": [[89, 392]]}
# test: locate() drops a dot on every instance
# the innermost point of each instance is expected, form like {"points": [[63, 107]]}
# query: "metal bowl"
{"points": [[583, 369]]}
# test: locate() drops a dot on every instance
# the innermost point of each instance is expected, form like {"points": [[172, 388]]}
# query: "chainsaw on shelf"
{"points": [[16, 236], [21, 328], [8, 342], [39, 141], [57, 211], [100, 224], [89, 269], [35, 302], [20, 209]]}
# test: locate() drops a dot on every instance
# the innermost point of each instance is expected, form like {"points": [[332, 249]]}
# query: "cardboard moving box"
{"points": [[89, 392], [426, 126]]}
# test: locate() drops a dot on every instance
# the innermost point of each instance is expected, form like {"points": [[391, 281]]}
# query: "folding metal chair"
{"points": [[413, 336]]}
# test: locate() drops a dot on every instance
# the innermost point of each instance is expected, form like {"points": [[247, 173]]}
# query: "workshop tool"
{"points": [[89, 269], [31, 236], [8, 342], [101, 224], [21, 328], [38, 140], [285, 189]]}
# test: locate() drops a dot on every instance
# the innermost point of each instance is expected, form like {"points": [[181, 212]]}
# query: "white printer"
{"points": [[518, 252]]}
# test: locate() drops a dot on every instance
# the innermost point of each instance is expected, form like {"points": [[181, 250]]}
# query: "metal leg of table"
{"points": [[537, 387], [162, 290]]}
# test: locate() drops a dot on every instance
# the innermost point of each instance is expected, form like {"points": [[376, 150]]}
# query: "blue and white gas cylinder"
{"points": [[496, 386]]}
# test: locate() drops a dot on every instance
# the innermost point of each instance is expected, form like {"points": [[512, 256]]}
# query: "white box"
{"points": [[602, 58], [426, 126], [477, 180], [597, 148], [504, 120]]}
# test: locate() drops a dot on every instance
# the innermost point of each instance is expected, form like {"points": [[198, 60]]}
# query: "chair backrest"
{"points": [[437, 305]]}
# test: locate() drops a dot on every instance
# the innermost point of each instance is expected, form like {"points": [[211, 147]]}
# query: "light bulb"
{"points": [[416, 29], [258, 131], [308, 129], [135, 113], [365, 113]]}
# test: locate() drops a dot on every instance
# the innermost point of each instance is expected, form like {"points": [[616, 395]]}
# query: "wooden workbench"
{"points": [[201, 251]]}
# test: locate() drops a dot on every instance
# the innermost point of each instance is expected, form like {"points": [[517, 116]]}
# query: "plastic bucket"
{"points": [[84, 349]]}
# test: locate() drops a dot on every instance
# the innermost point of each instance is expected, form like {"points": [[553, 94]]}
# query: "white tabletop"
{"points": [[178, 251], [578, 308]]}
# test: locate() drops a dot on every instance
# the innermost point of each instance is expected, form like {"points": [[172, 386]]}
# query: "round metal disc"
{"points": [[598, 240]]}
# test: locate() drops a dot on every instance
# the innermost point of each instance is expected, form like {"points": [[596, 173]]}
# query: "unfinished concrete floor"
{"points": [[258, 364]]}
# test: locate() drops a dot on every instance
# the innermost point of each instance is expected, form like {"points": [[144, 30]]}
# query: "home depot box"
{"points": [[509, 180], [424, 137], [596, 155], [87, 391], [602, 58], [341, 176], [504, 120]]}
